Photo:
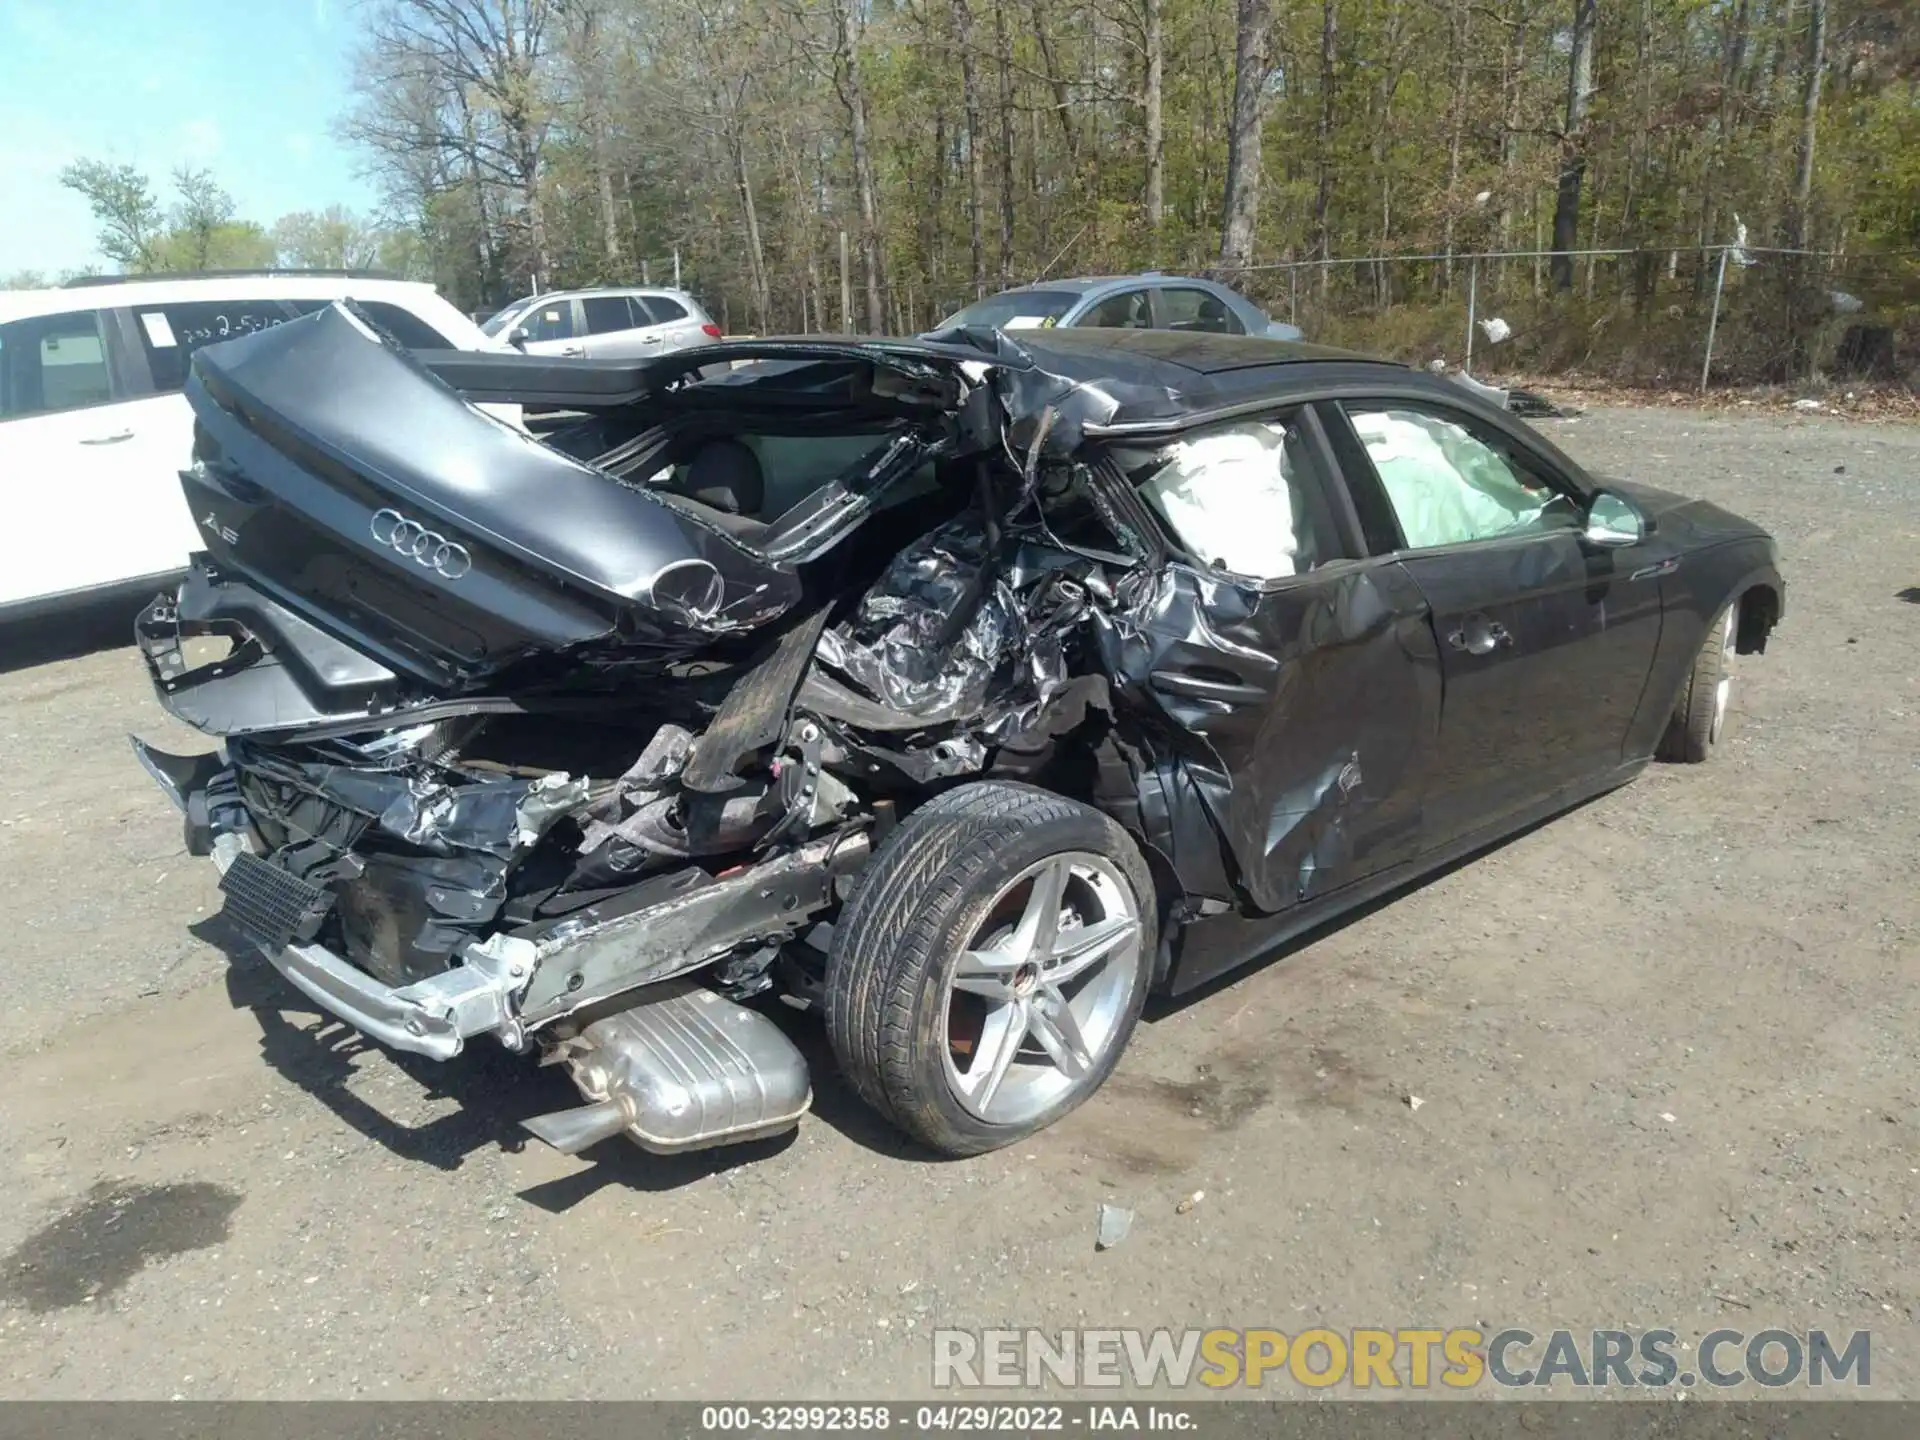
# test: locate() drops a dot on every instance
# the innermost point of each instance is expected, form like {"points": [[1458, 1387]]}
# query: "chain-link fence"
{"points": [[1719, 314]]}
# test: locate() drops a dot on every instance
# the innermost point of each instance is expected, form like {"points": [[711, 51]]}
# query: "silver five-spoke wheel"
{"points": [[991, 964], [1036, 998]]}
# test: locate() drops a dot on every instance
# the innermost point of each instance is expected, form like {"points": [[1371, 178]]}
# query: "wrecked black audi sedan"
{"points": [[965, 689]]}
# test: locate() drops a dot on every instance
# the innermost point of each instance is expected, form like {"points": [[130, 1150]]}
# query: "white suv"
{"points": [[628, 323], [94, 430]]}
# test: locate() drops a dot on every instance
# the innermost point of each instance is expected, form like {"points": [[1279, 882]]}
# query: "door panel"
{"points": [[616, 328], [1306, 713], [1544, 648], [1544, 642], [85, 504], [553, 328], [1300, 699]]}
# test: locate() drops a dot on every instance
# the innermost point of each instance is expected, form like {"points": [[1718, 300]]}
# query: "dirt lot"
{"points": [[1665, 1047]]}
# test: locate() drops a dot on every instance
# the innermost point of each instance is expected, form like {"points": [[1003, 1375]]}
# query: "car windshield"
{"points": [[1015, 310], [500, 319]]}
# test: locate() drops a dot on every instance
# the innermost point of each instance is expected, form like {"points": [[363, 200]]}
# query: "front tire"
{"points": [[1700, 717], [991, 966]]}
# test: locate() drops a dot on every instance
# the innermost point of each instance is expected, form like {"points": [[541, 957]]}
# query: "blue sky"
{"points": [[248, 89]]}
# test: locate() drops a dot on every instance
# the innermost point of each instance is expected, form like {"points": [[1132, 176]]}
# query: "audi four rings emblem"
{"points": [[421, 545]]}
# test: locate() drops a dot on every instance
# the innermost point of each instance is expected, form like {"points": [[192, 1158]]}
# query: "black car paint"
{"points": [[1293, 746]]}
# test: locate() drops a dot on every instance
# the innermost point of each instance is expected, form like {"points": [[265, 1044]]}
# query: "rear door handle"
{"points": [[1478, 635], [1198, 687], [114, 439]]}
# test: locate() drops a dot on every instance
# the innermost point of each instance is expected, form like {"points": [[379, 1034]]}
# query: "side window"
{"points": [[1448, 484], [1242, 498], [1184, 309], [405, 326], [662, 309], [1125, 311], [607, 313], [549, 320], [52, 363], [171, 333]]}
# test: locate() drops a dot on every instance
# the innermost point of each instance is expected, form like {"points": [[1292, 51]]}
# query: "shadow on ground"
{"points": [[496, 1090]]}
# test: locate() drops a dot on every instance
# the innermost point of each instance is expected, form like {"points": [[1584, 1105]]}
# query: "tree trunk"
{"points": [[853, 96], [1062, 96], [1243, 139], [750, 214], [1004, 45], [594, 76], [1797, 216], [1151, 102], [1573, 144], [1803, 315], [1323, 189], [970, 99]]}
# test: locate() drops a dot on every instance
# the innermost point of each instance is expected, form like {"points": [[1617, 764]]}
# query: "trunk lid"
{"points": [[358, 489]]}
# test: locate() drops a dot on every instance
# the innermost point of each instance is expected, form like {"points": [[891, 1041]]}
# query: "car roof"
{"points": [[571, 291], [1084, 284], [160, 289]]}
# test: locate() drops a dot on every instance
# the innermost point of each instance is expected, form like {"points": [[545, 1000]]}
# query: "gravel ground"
{"points": [[1665, 1048]]}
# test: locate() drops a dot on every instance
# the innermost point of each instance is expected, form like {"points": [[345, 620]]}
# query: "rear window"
{"points": [[52, 363], [1016, 310], [170, 333], [662, 309]]}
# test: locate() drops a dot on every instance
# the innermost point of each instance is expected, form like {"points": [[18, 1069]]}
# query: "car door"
{"points": [[86, 506], [1295, 677], [1122, 310], [676, 327], [1190, 308], [1545, 642], [617, 328], [553, 327]]}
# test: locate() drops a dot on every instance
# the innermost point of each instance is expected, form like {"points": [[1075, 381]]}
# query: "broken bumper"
{"points": [[432, 1017], [506, 985]]}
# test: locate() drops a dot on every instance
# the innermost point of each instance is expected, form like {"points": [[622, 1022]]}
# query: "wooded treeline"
{"points": [[963, 145]]}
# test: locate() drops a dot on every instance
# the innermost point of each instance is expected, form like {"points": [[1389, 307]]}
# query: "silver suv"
{"points": [[607, 324]]}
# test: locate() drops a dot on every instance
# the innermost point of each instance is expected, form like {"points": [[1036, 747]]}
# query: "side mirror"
{"points": [[1613, 521], [518, 337]]}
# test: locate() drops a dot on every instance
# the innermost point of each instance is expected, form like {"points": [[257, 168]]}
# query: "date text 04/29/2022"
{"points": [[958, 1417]]}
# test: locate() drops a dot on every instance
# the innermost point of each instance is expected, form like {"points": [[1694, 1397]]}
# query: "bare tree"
{"points": [[1243, 137], [1815, 68], [1573, 143], [1152, 103]]}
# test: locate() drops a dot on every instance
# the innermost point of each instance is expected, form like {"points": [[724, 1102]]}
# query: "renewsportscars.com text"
{"points": [[1417, 1359]]}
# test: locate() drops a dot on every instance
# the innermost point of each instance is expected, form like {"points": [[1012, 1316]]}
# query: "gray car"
{"points": [[620, 323], [1124, 302]]}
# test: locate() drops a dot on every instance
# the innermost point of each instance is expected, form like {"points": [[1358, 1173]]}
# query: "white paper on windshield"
{"points": [[159, 332], [1024, 322]]}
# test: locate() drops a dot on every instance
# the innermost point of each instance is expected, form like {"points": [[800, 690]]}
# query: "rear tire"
{"points": [[1700, 718], [990, 968]]}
